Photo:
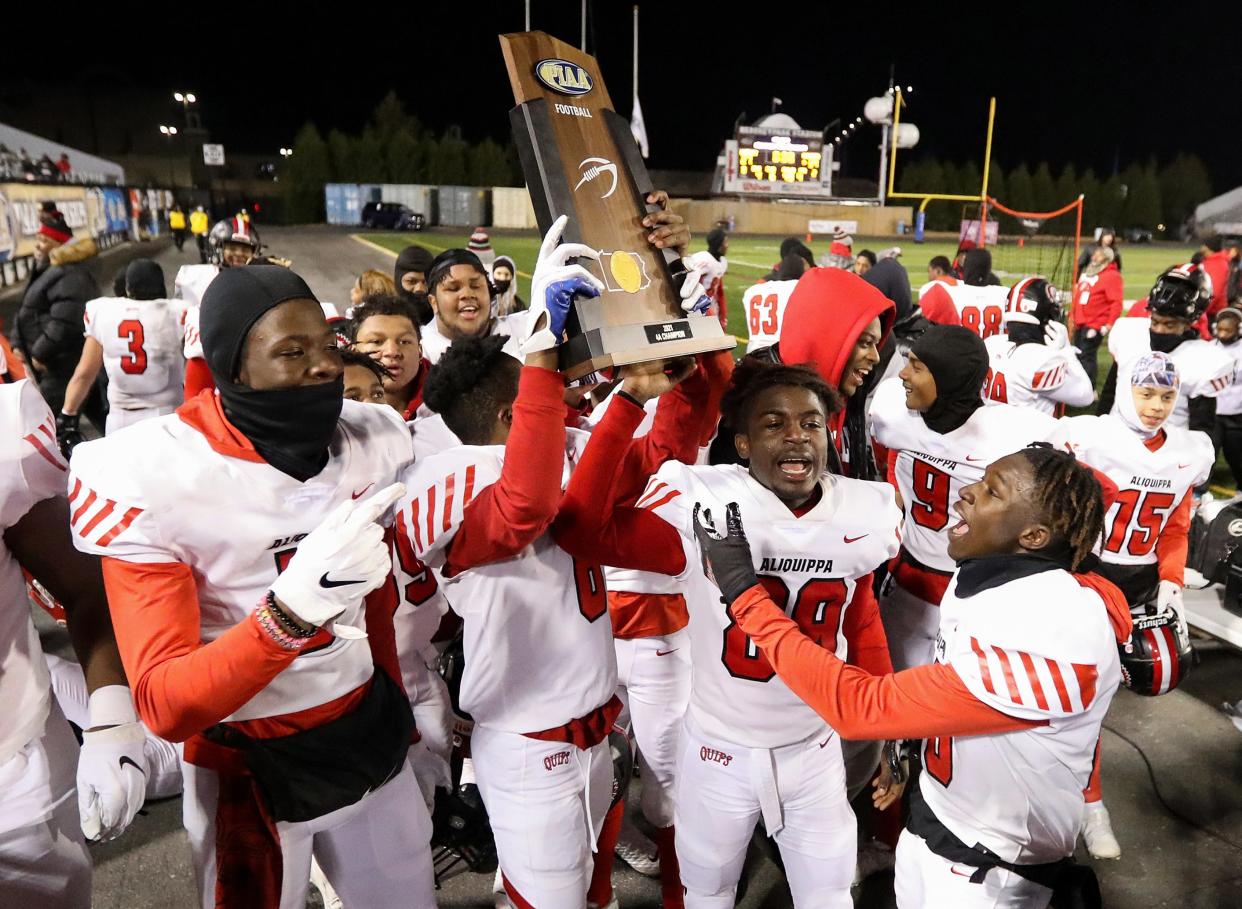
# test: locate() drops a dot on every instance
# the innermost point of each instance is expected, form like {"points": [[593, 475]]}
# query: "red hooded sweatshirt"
{"points": [[826, 313]]}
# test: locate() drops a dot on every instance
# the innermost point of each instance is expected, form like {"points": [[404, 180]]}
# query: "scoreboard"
{"points": [[776, 162]]}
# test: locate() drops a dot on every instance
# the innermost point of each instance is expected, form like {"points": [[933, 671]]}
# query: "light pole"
{"points": [[190, 124], [169, 132]]}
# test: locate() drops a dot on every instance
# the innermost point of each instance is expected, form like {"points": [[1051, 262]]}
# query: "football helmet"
{"points": [[1033, 301], [232, 230], [1158, 654], [1182, 292]]}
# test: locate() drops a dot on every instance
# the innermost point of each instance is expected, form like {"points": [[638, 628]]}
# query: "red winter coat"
{"points": [[1097, 299]]}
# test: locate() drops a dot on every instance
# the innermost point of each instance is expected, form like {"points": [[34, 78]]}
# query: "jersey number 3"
{"points": [[134, 362], [817, 611]]}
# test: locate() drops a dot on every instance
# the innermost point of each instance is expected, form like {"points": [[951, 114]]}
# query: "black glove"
{"points": [[726, 559], [67, 432]]}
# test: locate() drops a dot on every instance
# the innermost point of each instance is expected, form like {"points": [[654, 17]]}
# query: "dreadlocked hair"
{"points": [[1069, 498], [753, 376], [472, 382]]}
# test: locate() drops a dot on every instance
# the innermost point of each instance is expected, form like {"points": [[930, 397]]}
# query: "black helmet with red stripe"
{"points": [[1183, 292], [1158, 655], [1033, 301]]}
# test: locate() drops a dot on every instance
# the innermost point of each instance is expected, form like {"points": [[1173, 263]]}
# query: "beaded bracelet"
{"points": [[269, 624], [287, 621]]}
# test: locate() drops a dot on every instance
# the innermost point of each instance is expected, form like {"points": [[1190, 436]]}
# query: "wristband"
{"points": [[263, 615], [622, 393], [287, 621], [111, 705]]}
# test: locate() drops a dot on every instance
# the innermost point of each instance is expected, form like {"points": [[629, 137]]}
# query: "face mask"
{"points": [[297, 447], [502, 286], [1163, 343]]}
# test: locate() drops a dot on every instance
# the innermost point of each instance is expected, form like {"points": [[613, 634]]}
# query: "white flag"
{"points": [[638, 128]]}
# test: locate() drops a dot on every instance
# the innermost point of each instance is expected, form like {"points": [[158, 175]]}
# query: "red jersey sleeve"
{"points": [[915, 703], [593, 526], [864, 632], [938, 306], [511, 513], [1173, 544], [181, 685]]}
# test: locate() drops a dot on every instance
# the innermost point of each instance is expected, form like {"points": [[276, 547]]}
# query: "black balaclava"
{"points": [[144, 280], [977, 267], [1167, 343], [958, 361], [890, 278], [1024, 332], [716, 241], [414, 258], [290, 427], [118, 284]]}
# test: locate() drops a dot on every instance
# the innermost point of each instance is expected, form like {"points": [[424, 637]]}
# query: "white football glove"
{"points": [[701, 270], [1169, 599], [554, 285], [112, 765], [1056, 335], [339, 562]]}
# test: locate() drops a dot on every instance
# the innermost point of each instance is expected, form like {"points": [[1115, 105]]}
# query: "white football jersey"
{"points": [[765, 305], [190, 285], [981, 309], [142, 349], [157, 493], [1034, 375], [33, 471], [810, 565], [538, 641], [933, 467], [434, 343], [1150, 484], [1229, 401], [1205, 369], [1037, 648]]}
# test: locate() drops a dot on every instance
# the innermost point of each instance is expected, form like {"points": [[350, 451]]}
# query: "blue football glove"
{"points": [[554, 285]]}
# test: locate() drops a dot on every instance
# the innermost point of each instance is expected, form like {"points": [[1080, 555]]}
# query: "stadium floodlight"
{"points": [[286, 152], [909, 89], [185, 98], [168, 130], [879, 110]]}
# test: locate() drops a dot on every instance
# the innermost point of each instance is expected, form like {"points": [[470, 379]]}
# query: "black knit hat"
{"points": [[233, 302]]}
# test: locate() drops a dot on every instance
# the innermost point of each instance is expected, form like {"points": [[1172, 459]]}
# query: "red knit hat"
{"points": [[53, 226], [842, 244]]}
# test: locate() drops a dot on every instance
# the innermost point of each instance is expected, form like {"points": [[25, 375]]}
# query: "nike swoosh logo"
{"points": [[357, 495], [324, 582], [958, 873], [667, 652], [1182, 466], [825, 741], [126, 759], [850, 539], [970, 458]]}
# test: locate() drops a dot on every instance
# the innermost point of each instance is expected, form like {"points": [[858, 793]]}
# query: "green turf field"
{"points": [[750, 257]]}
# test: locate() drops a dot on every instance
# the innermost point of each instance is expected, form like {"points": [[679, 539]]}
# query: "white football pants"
{"points": [[910, 624], [925, 879], [799, 790]]}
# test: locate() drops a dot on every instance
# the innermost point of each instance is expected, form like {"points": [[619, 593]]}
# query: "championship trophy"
{"points": [[580, 160]]}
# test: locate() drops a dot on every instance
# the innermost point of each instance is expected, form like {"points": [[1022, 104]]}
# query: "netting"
{"points": [[1028, 243]]}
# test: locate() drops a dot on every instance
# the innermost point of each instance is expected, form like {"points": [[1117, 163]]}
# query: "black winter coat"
{"points": [[49, 320]]}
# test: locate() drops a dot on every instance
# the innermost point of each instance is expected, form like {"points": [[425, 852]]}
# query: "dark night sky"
{"points": [[1135, 80]]}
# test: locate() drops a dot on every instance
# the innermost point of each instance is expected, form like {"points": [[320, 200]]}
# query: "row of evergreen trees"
{"points": [[1141, 195], [394, 147]]}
